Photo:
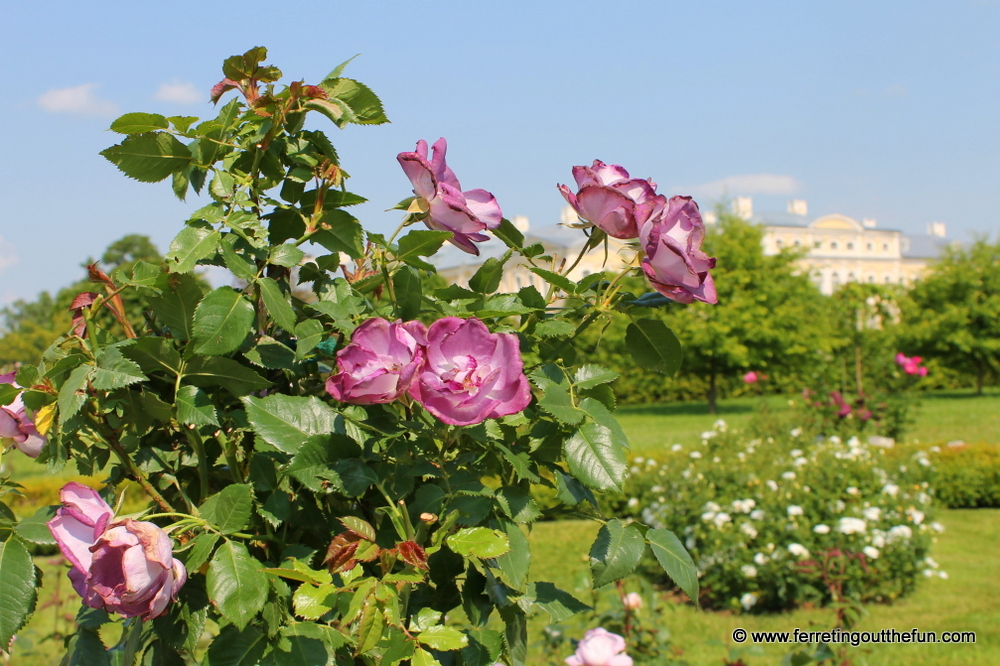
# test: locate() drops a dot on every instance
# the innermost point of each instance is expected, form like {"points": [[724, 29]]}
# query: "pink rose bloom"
{"points": [[750, 378], [465, 214], [469, 374], [608, 198], [17, 426], [125, 567], [378, 364], [600, 647], [902, 359], [674, 262]]}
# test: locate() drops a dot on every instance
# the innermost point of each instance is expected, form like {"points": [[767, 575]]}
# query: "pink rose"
{"points": [[125, 567], [911, 365], [674, 262], [750, 378], [599, 647], [608, 198], [17, 426], [378, 364], [469, 374], [465, 214]]}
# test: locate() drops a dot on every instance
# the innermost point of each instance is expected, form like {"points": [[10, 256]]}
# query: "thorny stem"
{"points": [[199, 450], [134, 470]]}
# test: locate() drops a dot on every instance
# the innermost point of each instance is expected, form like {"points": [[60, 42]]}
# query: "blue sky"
{"points": [[885, 110]]}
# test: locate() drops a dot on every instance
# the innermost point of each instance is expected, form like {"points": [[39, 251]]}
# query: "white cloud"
{"points": [[8, 255], [176, 92], [77, 99], [754, 183]]}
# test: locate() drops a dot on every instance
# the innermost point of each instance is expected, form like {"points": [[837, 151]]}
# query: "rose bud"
{"points": [[125, 567], [600, 647], [632, 601], [674, 263], [17, 425], [465, 214], [378, 364], [469, 374], [609, 199]]}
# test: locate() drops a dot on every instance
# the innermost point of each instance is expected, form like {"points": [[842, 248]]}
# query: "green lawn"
{"points": [[965, 602], [941, 417]]}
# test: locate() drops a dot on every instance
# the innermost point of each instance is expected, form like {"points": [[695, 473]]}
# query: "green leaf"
{"points": [[34, 529], [222, 321], [286, 255], [235, 647], [236, 585], [190, 246], [443, 638], [194, 407], [175, 308], [675, 560], [365, 104], [302, 644], [616, 552], [600, 414], [86, 649], [589, 376], [313, 602], [313, 464], [480, 542], [240, 266], [654, 346], [560, 281], [370, 627], [557, 402], [485, 646], [286, 422], [421, 243], [17, 587], [154, 355], [554, 328], [229, 509], [199, 550], [595, 458], [309, 334], [422, 657], [558, 604], [72, 394], [115, 371], [211, 371], [269, 353], [509, 234], [150, 157], [518, 504], [344, 234], [486, 280], [409, 293], [355, 476], [139, 123], [277, 304], [516, 634], [515, 563]]}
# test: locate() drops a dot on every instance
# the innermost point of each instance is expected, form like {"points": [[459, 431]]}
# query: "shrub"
{"points": [[963, 477], [776, 523]]}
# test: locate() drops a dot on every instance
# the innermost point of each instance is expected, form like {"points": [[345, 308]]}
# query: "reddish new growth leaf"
{"points": [[221, 88], [413, 553], [340, 554], [82, 300]]}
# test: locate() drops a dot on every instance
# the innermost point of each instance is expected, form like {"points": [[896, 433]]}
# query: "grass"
{"points": [[941, 416], [965, 602]]}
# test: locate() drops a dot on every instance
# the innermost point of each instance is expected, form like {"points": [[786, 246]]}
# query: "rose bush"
{"points": [[345, 450]]}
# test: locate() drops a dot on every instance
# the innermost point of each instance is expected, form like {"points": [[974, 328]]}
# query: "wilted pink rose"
{"points": [[750, 378], [600, 647], [126, 567], [674, 261], [378, 364], [17, 425], [465, 214], [608, 198], [469, 374]]}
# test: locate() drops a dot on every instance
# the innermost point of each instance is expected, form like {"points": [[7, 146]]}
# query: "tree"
{"points": [[953, 314], [27, 328], [770, 318]]}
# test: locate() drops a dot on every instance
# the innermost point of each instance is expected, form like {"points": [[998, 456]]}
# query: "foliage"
{"points": [[314, 530], [953, 314], [962, 475], [767, 523]]}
